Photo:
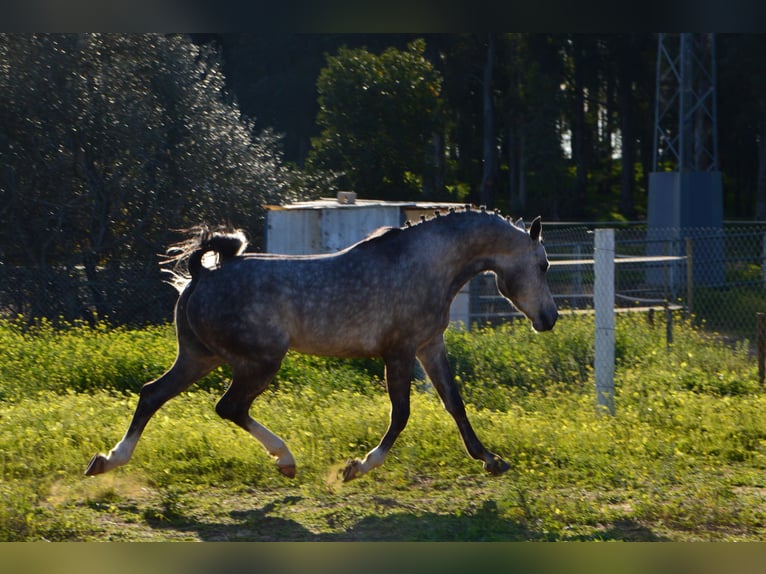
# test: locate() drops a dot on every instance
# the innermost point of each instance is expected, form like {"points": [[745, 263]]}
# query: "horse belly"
{"points": [[342, 341], [366, 333]]}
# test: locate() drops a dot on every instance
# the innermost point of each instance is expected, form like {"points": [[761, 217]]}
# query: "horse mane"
{"points": [[454, 215]]}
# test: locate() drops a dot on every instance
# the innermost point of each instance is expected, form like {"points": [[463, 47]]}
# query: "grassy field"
{"points": [[684, 457]]}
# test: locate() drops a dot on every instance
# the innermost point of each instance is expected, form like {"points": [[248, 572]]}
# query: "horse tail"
{"points": [[186, 256]]}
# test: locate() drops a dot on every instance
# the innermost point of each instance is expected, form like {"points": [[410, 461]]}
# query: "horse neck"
{"points": [[473, 246]]}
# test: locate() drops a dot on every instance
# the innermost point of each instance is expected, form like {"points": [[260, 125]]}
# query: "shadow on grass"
{"points": [[624, 530], [485, 524]]}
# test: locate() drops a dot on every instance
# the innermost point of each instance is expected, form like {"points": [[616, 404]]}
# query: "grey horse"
{"points": [[386, 296]]}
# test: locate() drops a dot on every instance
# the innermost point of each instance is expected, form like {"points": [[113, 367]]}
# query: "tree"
{"points": [[531, 115], [573, 116], [107, 144], [583, 65], [274, 77], [377, 114], [741, 93], [489, 136]]}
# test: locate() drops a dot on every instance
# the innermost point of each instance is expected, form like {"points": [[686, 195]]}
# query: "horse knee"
{"points": [[178, 378]]}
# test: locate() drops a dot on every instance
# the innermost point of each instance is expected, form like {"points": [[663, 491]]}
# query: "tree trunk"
{"points": [[578, 133], [517, 180], [627, 177], [434, 175], [628, 144], [490, 147], [609, 127], [760, 192]]}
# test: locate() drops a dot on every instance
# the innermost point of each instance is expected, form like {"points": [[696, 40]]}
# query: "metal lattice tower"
{"points": [[685, 113], [686, 186]]}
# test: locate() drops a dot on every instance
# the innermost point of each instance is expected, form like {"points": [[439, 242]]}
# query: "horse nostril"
{"points": [[547, 320]]}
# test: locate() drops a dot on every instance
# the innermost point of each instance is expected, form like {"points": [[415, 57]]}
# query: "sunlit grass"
{"points": [[684, 457]]}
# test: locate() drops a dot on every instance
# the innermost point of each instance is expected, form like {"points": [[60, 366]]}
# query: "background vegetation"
{"points": [[109, 142], [377, 115], [682, 459], [593, 91]]}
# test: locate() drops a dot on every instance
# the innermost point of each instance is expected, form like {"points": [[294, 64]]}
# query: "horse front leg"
{"points": [[434, 360], [398, 381]]}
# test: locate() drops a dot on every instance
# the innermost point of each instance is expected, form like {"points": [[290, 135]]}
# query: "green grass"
{"points": [[729, 310], [684, 457]]}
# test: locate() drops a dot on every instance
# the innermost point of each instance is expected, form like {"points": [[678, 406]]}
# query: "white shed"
{"points": [[327, 225]]}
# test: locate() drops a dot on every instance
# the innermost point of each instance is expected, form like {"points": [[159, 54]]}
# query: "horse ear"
{"points": [[520, 224], [536, 229]]}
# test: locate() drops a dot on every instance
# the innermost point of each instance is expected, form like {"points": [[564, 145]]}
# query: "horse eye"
{"points": [[544, 266]]}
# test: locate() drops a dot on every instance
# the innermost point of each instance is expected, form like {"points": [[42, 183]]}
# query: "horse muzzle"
{"points": [[545, 320]]}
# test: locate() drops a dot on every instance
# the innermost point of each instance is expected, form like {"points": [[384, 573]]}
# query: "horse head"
{"points": [[521, 277]]}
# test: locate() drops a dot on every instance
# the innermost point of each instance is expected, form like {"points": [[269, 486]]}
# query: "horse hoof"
{"points": [[497, 466], [97, 465], [353, 470], [288, 470]]}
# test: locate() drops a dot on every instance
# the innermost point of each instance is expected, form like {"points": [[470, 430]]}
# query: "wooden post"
{"points": [[577, 275], [689, 276], [763, 259], [668, 325], [761, 344], [603, 303]]}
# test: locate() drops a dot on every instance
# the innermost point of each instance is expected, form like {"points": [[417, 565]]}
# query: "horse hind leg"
{"points": [[187, 369], [248, 381]]}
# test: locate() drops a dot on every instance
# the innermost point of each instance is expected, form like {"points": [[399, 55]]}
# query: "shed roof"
{"points": [[333, 203]]}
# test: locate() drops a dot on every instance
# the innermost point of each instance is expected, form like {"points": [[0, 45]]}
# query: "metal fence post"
{"points": [[603, 295]]}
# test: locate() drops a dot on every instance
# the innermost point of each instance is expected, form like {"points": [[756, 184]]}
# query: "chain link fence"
{"points": [[136, 296], [715, 276]]}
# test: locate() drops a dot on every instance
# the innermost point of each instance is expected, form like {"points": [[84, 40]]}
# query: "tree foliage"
{"points": [[574, 114], [108, 144], [377, 114]]}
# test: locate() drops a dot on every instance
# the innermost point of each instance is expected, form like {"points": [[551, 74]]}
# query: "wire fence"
{"points": [[715, 276]]}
